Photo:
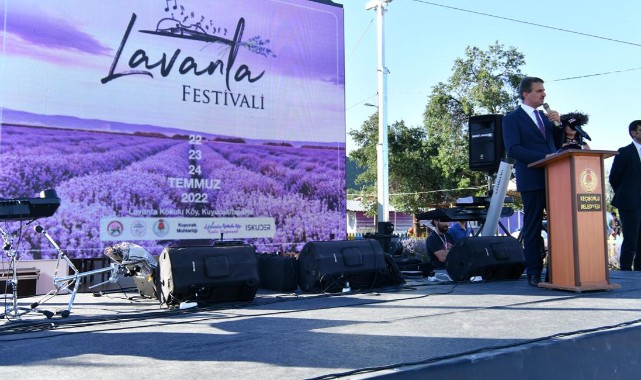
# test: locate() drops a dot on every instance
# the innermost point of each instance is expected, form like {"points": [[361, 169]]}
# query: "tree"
{"points": [[428, 167], [483, 82], [352, 170], [412, 180], [365, 156]]}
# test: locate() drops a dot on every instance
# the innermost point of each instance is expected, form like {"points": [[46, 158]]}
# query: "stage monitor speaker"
{"points": [[486, 147], [208, 274], [330, 266], [492, 257]]}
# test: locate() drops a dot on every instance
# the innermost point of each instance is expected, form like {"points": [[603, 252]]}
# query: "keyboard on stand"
{"points": [[30, 208]]}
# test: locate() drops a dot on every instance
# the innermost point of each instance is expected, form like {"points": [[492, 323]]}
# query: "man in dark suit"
{"points": [[529, 135], [625, 178]]}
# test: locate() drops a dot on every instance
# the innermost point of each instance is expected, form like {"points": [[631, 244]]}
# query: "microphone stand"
{"points": [[64, 282], [13, 311]]}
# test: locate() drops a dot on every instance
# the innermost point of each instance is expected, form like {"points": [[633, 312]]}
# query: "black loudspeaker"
{"points": [[278, 273], [390, 243], [208, 274], [486, 147], [330, 266], [493, 257]]}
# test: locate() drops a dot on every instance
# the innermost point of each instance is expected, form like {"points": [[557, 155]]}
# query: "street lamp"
{"points": [[382, 151]]}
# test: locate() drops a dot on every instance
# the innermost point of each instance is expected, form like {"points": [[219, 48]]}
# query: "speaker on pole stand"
{"points": [[485, 135], [490, 256]]}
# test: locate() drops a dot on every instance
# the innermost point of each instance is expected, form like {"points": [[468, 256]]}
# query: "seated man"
{"points": [[439, 244]]}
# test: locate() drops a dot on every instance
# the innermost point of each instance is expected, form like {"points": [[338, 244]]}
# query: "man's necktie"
{"points": [[539, 122]]}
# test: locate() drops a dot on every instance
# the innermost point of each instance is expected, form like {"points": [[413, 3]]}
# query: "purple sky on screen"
{"points": [[296, 24], [46, 31], [294, 50]]}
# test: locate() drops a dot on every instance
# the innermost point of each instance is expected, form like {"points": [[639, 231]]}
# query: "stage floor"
{"points": [[419, 329]]}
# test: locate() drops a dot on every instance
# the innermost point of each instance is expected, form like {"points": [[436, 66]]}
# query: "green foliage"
{"points": [[365, 156], [352, 171], [483, 82], [486, 81], [410, 175], [415, 182]]}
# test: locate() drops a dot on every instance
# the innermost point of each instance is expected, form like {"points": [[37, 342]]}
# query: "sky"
{"points": [[596, 41]]}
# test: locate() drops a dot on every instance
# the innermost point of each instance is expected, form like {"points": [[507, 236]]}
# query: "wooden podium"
{"points": [[577, 259]]}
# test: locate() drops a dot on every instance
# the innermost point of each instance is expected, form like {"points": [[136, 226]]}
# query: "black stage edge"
{"points": [[502, 329], [604, 353]]}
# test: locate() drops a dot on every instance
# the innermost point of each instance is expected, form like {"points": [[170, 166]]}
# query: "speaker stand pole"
{"points": [[498, 197]]}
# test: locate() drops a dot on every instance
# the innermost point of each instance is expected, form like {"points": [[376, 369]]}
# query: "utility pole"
{"points": [[382, 150]]}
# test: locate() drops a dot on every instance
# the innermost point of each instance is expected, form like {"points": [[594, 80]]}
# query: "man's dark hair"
{"points": [[633, 126], [526, 85]]}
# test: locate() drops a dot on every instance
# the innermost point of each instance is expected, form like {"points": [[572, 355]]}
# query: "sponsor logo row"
{"points": [[113, 228]]}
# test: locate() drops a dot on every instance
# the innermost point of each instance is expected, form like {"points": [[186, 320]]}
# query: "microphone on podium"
{"points": [[582, 133], [575, 120], [546, 107]]}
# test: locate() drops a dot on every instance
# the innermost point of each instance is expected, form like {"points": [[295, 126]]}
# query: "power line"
{"points": [[360, 39], [529, 23], [594, 75], [361, 102]]}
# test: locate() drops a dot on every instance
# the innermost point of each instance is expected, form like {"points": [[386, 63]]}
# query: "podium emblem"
{"points": [[588, 180]]}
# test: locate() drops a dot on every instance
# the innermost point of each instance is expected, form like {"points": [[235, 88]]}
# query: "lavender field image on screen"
{"points": [[100, 174]]}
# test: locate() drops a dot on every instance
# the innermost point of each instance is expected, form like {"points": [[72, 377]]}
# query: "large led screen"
{"points": [[173, 122]]}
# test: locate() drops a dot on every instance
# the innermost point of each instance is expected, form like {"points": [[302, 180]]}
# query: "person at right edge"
{"points": [[625, 178], [529, 136]]}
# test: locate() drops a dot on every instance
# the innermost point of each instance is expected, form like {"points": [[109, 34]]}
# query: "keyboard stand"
{"points": [[13, 311]]}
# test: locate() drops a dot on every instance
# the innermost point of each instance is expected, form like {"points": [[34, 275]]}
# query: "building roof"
{"points": [[357, 205]]}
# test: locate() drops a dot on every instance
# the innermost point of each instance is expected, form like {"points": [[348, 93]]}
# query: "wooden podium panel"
{"points": [[577, 230]]}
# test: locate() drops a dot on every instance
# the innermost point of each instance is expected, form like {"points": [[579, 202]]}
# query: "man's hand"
{"points": [[554, 117]]}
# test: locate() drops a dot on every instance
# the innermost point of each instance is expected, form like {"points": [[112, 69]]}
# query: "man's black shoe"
{"points": [[533, 279]]}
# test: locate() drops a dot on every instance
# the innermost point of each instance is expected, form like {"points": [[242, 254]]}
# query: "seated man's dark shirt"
{"points": [[437, 242]]}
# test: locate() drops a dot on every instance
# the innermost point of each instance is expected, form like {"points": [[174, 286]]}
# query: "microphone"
{"points": [[581, 132], [39, 229], [575, 120], [557, 124]]}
